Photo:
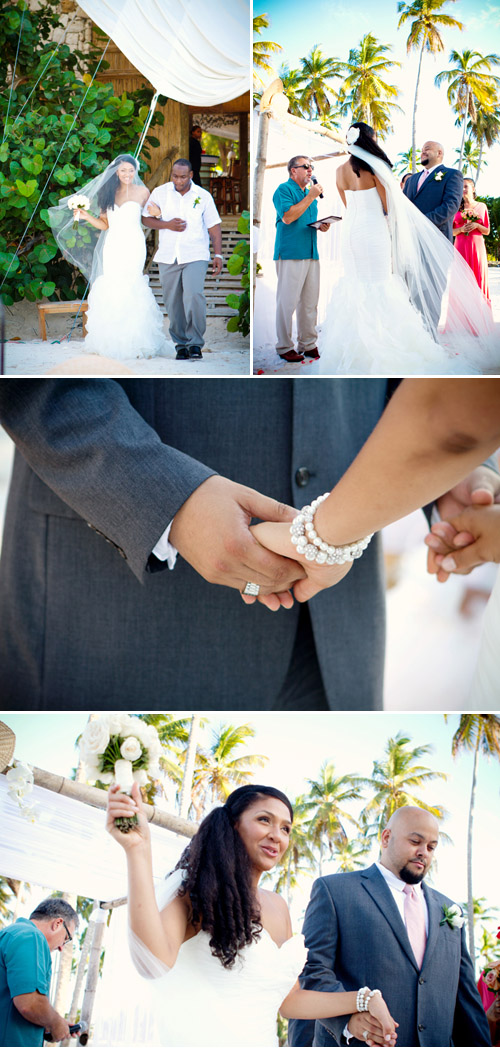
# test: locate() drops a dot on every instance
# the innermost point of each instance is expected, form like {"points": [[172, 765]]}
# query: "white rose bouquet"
{"points": [[78, 200], [123, 749]]}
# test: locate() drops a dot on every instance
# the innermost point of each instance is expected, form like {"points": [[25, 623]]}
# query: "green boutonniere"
{"points": [[197, 201]]}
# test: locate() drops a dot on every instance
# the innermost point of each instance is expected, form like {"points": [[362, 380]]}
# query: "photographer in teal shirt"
{"points": [[297, 261], [25, 970]]}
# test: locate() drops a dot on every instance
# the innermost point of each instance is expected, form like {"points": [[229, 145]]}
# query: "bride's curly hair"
{"points": [[219, 876], [367, 141], [107, 192]]}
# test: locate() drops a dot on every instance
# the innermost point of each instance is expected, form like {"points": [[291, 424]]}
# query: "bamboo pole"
{"points": [[99, 920], [98, 799]]}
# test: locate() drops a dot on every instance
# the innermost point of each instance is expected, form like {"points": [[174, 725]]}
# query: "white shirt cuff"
{"points": [[164, 549], [347, 1033]]}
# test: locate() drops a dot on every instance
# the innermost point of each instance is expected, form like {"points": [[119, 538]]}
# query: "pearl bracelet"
{"points": [[312, 546], [364, 996]]}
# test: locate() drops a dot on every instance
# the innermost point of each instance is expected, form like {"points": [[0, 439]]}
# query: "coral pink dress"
{"points": [[471, 246]]}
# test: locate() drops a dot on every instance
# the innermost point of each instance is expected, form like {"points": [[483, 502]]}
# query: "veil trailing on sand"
{"points": [[440, 284], [80, 243]]}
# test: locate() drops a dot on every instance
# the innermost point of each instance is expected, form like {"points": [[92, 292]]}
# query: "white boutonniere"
{"points": [[197, 201], [452, 915], [439, 176]]}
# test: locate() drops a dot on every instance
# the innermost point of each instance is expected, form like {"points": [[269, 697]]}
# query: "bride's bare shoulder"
{"points": [[343, 175]]}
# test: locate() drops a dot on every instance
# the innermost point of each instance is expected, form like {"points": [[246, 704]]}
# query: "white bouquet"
{"points": [[117, 747], [78, 200]]}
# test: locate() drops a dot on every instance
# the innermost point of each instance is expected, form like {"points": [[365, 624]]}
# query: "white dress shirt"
{"points": [[197, 209]]}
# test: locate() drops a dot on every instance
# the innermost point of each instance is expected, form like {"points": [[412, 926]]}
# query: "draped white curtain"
{"points": [[194, 51], [67, 848]]}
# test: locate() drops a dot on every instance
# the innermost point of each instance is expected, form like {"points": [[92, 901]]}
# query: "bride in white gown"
{"points": [[219, 948], [123, 318], [399, 308]]}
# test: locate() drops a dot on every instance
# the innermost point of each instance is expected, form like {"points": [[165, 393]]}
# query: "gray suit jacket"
{"points": [[90, 620], [356, 937], [438, 200]]}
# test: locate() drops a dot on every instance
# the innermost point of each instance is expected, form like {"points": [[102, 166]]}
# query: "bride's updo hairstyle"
{"points": [[219, 876], [366, 140], [107, 192]]}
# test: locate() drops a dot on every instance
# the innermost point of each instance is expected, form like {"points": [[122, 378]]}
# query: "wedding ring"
{"points": [[252, 589], [365, 1035]]}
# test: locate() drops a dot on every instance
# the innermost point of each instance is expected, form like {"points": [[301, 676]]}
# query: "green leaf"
{"points": [[244, 223], [45, 252], [4, 152], [232, 324], [234, 265], [233, 301], [48, 288], [26, 189], [39, 143]]}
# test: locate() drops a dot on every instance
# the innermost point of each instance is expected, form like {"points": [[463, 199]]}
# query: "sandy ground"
{"points": [[267, 362], [225, 353]]}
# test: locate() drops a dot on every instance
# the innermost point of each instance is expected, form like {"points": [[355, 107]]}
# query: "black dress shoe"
{"points": [[182, 353], [195, 353]]}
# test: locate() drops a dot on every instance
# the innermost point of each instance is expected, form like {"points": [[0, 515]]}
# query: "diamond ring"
{"points": [[252, 589]]}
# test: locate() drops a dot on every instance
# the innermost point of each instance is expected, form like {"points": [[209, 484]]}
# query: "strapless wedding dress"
{"points": [[371, 327], [123, 319], [200, 1003]]}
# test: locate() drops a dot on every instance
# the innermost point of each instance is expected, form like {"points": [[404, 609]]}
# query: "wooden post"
{"points": [[99, 919], [243, 141]]}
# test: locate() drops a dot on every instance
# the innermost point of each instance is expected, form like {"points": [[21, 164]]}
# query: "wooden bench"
{"points": [[60, 307]]}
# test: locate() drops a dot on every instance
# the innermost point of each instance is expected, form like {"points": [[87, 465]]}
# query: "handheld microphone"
{"points": [[315, 182], [80, 1028]]}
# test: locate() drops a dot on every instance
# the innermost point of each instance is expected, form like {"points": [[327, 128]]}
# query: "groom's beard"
{"points": [[409, 877]]}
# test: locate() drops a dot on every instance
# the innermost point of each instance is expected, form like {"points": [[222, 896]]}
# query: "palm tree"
{"points": [[365, 94], [470, 83], [424, 34], [351, 855], [395, 781], [484, 129], [404, 162], [292, 80], [478, 733], [317, 73], [470, 159], [263, 49], [325, 800], [219, 771]]}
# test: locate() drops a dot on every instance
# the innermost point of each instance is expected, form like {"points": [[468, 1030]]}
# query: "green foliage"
{"points": [[33, 176], [492, 241], [239, 263]]}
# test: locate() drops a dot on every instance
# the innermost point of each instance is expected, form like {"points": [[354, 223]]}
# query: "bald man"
{"points": [[381, 928], [436, 190]]}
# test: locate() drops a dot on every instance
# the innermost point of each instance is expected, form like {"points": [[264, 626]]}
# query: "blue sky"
{"points": [[338, 25], [298, 743]]}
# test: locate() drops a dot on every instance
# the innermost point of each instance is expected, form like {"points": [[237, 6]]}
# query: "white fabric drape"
{"points": [[194, 51], [68, 849]]}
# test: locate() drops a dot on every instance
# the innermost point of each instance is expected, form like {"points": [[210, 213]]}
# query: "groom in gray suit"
{"points": [[436, 190], [92, 617], [385, 928]]}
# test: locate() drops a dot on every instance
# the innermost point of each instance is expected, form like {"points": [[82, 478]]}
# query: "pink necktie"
{"points": [[422, 179], [415, 923]]}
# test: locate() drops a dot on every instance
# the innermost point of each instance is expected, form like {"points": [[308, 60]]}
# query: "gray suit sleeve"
{"points": [[453, 192], [320, 931], [470, 1025], [86, 442]]}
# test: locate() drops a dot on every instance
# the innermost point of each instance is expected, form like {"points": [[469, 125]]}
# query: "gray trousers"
{"points": [[298, 292], [182, 287]]}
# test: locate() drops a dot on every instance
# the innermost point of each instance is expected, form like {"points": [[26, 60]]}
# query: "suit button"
{"points": [[421, 1026], [421, 981], [303, 476]]}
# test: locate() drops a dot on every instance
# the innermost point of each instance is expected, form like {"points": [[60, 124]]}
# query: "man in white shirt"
{"points": [[187, 219], [383, 928]]}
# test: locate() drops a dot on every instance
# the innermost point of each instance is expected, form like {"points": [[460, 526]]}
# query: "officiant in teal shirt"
{"points": [[297, 261]]}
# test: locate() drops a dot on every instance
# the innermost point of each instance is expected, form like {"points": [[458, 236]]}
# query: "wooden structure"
{"points": [[61, 307]]}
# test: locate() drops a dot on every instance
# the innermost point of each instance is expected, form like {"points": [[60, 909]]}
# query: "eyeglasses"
{"points": [[307, 167], [69, 937]]}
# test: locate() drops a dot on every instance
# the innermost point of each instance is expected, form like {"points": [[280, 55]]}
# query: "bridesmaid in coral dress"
{"points": [[469, 233]]}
